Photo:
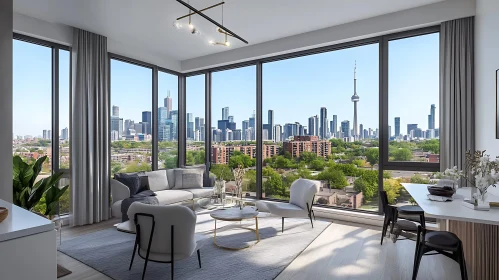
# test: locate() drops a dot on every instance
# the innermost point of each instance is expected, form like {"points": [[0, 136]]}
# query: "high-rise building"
{"points": [[271, 124], [190, 126], [265, 134], [361, 130], [410, 127], [225, 113], [277, 133], [323, 123], [231, 118], [162, 115], [147, 118], [252, 125], [223, 125], [138, 127], [397, 126], [49, 134], [345, 128], [431, 117], [355, 100], [237, 134], [331, 129], [117, 125], [311, 126], [168, 104], [44, 134], [245, 126], [174, 118], [116, 111], [335, 125], [366, 134], [65, 134]]}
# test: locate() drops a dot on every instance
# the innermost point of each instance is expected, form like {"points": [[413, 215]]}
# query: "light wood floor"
{"points": [[342, 251]]}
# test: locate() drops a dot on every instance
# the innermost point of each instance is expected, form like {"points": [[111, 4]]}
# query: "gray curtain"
{"points": [[457, 102], [90, 128]]}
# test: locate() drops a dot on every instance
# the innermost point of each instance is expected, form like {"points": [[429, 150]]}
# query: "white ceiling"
{"points": [[148, 24]]}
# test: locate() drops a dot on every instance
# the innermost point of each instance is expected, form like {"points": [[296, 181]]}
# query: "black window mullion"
{"points": [[55, 110], [154, 118]]}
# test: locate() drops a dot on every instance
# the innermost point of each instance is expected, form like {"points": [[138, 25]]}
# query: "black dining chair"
{"points": [[398, 227], [441, 242]]}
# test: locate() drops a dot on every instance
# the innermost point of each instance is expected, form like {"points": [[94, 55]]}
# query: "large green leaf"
{"points": [[52, 197], [37, 167]]}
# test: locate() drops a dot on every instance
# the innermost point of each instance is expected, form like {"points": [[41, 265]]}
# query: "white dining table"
{"points": [[478, 230]]}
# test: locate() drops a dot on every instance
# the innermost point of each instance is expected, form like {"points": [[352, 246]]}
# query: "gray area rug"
{"points": [[109, 251]]}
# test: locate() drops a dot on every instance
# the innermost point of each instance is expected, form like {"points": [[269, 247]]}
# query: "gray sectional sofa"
{"points": [[171, 186]]}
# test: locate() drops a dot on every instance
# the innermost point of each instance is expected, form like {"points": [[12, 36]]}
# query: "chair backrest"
{"points": [[384, 200], [183, 220], [302, 191]]}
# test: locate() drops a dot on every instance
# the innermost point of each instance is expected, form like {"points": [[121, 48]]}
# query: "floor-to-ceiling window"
{"points": [[233, 126], [195, 124], [167, 124], [131, 117], [41, 78], [321, 121]]}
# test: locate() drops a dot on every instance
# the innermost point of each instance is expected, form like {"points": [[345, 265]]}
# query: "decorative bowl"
{"points": [[4, 212], [441, 191]]}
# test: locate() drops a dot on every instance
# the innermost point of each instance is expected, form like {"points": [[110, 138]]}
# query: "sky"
{"points": [[295, 89]]}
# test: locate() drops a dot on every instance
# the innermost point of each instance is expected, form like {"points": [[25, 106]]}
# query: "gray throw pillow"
{"points": [[132, 181], [157, 180], [188, 178]]}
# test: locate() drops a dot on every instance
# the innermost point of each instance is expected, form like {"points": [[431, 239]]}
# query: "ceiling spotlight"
{"points": [[177, 24], [191, 26], [195, 31], [227, 43]]}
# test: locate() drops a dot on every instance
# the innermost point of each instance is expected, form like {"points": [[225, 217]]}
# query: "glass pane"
{"points": [[413, 75], [32, 111], [195, 124], [233, 126], [131, 117], [64, 105], [167, 120], [331, 132]]}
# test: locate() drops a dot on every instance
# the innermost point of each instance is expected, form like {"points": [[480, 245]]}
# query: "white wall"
{"points": [[63, 34], [486, 63], [409, 19], [6, 104]]}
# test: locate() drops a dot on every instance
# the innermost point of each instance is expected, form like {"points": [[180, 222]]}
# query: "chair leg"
{"points": [[133, 255], [417, 261], [173, 271], [310, 216], [385, 227], [145, 266], [282, 230], [313, 214], [199, 258], [462, 262]]}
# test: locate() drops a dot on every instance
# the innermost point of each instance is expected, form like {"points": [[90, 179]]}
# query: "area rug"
{"points": [[61, 271], [109, 251]]}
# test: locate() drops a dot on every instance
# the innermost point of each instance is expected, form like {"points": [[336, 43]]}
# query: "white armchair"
{"points": [[302, 194], [164, 234]]}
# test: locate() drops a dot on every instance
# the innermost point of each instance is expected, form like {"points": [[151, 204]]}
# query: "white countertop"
{"points": [[453, 210], [21, 222]]}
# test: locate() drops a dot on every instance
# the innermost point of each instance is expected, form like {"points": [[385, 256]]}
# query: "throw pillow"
{"points": [[188, 178], [157, 180], [132, 181]]}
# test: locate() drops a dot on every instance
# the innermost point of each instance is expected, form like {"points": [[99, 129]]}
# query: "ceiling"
{"points": [[148, 24]]}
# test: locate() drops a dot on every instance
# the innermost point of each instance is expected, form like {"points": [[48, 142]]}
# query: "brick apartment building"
{"points": [[221, 154], [311, 144]]}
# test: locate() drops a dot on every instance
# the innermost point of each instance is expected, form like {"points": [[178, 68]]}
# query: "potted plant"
{"points": [[28, 191]]}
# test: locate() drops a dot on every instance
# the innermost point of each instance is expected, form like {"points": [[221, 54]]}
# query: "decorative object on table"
{"points": [[445, 191], [238, 178], [4, 212], [219, 191], [440, 198], [31, 192], [448, 178], [480, 172]]}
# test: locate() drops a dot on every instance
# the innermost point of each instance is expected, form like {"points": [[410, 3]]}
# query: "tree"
{"points": [[372, 156], [402, 154], [283, 163], [222, 171], [239, 159], [308, 157], [249, 184], [116, 167], [418, 179], [348, 169], [335, 178], [137, 167], [368, 190], [392, 188], [358, 162], [273, 185], [432, 145], [317, 164], [304, 173]]}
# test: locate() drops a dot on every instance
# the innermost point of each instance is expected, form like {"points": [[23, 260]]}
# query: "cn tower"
{"points": [[355, 99]]}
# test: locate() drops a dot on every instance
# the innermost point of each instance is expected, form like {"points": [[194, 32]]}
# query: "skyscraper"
{"points": [[190, 126], [117, 125], [147, 118], [65, 134], [45, 135], [225, 113], [311, 126], [431, 117], [323, 124], [345, 128], [361, 131], [231, 118], [168, 104], [174, 117], [245, 126], [252, 125], [271, 124], [410, 127], [355, 100], [334, 129], [116, 111], [162, 115], [397, 126], [278, 132]]}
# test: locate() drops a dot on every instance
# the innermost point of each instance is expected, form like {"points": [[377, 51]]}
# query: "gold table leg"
{"points": [[242, 248]]}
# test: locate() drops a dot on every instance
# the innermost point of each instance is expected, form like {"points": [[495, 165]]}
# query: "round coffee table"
{"points": [[236, 215]]}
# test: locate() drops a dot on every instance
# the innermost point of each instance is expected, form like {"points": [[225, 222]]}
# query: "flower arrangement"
{"points": [[480, 171], [238, 178]]}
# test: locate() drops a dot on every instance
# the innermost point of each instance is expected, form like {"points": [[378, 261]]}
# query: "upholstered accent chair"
{"points": [[165, 234], [302, 194]]}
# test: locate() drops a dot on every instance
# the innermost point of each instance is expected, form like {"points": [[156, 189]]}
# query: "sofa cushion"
{"points": [[157, 180], [172, 196], [198, 193], [170, 175], [188, 178], [132, 181]]}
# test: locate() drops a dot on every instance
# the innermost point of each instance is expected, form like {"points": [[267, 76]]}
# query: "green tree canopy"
{"points": [[402, 154], [336, 178], [222, 171], [372, 156]]}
